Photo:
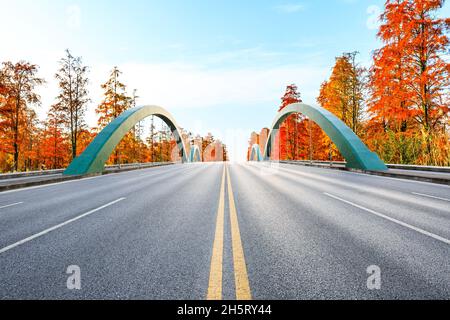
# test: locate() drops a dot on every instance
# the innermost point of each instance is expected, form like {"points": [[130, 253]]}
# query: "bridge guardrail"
{"points": [[45, 177], [135, 166], [390, 166], [439, 175], [321, 163], [6, 176], [419, 168]]}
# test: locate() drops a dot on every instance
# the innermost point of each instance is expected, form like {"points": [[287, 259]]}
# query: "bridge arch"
{"points": [[355, 152], [195, 155], [93, 159], [256, 154]]}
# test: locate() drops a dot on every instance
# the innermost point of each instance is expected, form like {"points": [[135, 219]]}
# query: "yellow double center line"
{"points": [[215, 276], [240, 268]]}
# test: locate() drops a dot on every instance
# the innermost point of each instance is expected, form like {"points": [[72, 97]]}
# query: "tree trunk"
{"points": [[16, 136]]}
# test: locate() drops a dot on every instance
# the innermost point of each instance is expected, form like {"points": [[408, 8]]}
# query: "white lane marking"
{"points": [[40, 234], [404, 224], [432, 197], [11, 205]]}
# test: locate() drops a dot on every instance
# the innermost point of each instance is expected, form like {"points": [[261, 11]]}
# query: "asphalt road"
{"points": [[199, 231]]}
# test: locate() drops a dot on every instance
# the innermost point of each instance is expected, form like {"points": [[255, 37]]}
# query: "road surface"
{"points": [[254, 231]]}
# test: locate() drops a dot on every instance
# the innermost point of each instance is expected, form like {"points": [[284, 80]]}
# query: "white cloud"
{"points": [[189, 86], [290, 8]]}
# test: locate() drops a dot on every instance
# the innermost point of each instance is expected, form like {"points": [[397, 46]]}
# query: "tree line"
{"points": [[399, 106], [26, 143]]}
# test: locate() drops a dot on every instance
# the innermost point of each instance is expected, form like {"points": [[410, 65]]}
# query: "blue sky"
{"points": [[218, 66]]}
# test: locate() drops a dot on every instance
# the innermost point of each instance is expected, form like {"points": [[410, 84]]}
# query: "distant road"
{"points": [[252, 231]]}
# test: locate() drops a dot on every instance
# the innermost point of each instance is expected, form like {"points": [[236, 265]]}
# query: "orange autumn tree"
{"points": [[391, 127], [428, 75], [287, 137], [19, 83], [343, 93], [160, 145], [3, 127], [54, 147], [115, 102], [410, 84], [30, 146], [85, 137], [388, 82]]}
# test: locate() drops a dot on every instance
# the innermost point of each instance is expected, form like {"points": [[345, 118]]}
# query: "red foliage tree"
{"points": [[410, 79]]}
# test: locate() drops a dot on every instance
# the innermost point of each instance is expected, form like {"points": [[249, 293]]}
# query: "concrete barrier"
{"points": [[439, 175], [15, 175], [42, 177]]}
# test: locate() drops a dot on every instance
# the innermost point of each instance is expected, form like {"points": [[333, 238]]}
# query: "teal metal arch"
{"points": [[256, 154], [93, 159], [195, 155], [355, 152]]}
